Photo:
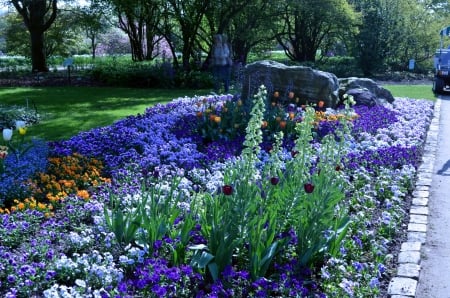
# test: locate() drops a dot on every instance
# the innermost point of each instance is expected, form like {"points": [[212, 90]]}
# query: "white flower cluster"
{"points": [[79, 291], [410, 129], [82, 240], [91, 272]]}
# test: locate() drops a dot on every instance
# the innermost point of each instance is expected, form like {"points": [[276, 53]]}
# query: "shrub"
{"points": [[340, 66], [9, 114]]}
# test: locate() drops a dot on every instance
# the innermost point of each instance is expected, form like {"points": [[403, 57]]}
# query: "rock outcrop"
{"points": [[364, 91], [306, 83]]}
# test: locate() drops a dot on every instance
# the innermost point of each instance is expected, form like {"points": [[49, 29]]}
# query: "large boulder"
{"points": [[365, 91], [306, 83], [364, 97]]}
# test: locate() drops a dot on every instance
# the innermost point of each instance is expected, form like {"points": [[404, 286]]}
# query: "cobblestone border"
{"points": [[404, 284]]}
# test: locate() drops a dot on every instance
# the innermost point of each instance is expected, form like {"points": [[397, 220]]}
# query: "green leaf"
{"points": [[201, 260], [214, 271]]}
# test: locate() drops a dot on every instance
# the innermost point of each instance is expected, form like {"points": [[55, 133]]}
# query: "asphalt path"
{"points": [[434, 279]]}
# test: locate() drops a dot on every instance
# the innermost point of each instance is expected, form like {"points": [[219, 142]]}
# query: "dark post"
{"points": [[68, 63]]}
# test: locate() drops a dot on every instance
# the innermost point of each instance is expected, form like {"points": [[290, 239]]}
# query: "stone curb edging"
{"points": [[404, 284]]}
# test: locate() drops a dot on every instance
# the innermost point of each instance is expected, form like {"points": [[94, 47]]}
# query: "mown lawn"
{"points": [[412, 91], [66, 111]]}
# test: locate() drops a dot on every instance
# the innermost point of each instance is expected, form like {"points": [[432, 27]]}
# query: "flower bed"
{"points": [[252, 215]]}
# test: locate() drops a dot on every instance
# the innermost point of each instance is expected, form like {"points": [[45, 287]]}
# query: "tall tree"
{"points": [[307, 24], [93, 20], [63, 38], [140, 20], [394, 31], [254, 26], [236, 18], [38, 16], [189, 15]]}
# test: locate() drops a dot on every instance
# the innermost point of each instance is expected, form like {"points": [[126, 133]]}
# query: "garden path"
{"points": [[434, 279]]}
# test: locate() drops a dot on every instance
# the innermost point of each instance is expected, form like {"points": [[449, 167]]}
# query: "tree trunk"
{"points": [[93, 46], [38, 59]]}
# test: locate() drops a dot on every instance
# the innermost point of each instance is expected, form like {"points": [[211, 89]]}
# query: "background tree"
{"points": [[253, 28], [94, 21], [63, 38], [17, 37], [307, 24], [38, 16], [140, 20], [218, 20], [189, 16], [3, 26], [392, 32]]}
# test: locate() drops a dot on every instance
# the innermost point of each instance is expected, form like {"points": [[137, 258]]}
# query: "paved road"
{"points": [[434, 280]]}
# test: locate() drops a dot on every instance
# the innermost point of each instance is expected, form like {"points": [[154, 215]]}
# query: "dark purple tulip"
{"points": [[309, 187], [227, 190], [274, 180]]}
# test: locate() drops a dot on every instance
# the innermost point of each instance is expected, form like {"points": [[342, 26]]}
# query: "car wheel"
{"points": [[438, 85]]}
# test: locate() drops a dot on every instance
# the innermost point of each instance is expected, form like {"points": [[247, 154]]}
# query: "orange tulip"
{"points": [[283, 124], [217, 119], [291, 95], [276, 94], [321, 104], [291, 115]]}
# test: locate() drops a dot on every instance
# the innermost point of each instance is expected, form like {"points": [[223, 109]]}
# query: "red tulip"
{"points": [[227, 190], [309, 187]]}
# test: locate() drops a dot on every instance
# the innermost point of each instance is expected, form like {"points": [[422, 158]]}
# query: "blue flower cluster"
{"points": [[18, 169]]}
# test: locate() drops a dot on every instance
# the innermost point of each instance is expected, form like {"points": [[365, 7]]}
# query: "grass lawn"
{"points": [[66, 111], [412, 91]]}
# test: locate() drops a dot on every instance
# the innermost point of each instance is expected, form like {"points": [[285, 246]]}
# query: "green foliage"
{"points": [[17, 38], [256, 205], [124, 224], [151, 217], [61, 39], [394, 32], [341, 66], [228, 217], [225, 122], [10, 114], [121, 72], [309, 25], [13, 63]]}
